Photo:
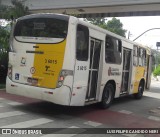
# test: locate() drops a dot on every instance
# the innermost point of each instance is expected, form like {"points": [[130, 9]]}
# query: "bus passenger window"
{"points": [[113, 50], [135, 55], [82, 41], [142, 57]]}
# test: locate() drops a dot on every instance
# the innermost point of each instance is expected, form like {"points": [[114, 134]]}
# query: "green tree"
{"points": [[156, 72], [155, 59], [116, 26], [113, 25], [3, 10], [98, 21], [4, 37], [17, 9]]}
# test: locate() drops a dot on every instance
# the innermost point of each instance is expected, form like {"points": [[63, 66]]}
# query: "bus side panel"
{"points": [[139, 74], [80, 83], [112, 72], [149, 69]]}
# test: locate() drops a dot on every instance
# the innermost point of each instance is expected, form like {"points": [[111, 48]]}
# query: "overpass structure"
{"points": [[91, 8]]}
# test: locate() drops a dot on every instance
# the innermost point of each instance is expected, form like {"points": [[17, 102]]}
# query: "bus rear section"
{"points": [[36, 59]]}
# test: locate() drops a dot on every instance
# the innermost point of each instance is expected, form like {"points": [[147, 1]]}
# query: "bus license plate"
{"points": [[32, 81]]}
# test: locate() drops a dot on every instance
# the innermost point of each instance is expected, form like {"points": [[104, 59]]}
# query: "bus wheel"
{"points": [[107, 96], [140, 91]]}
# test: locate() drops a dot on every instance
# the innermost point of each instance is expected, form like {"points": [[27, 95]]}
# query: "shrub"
{"points": [[156, 72]]}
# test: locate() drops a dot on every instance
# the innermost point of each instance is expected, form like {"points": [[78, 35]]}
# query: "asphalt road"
{"points": [[126, 112]]}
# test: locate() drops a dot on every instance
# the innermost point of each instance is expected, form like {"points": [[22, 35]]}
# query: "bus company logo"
{"points": [[113, 72], [32, 70]]}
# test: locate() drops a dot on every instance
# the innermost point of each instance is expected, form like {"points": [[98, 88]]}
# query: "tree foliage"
{"points": [[17, 9], [116, 26], [98, 21], [4, 40], [113, 25], [155, 59], [156, 72]]}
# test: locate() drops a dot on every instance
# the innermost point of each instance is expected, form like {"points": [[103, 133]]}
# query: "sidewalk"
{"points": [[154, 91], [155, 80], [151, 94]]}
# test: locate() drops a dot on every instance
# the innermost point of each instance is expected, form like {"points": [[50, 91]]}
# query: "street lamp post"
{"points": [[157, 44], [144, 33]]}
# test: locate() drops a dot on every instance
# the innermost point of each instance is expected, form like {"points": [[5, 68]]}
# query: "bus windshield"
{"points": [[41, 30]]}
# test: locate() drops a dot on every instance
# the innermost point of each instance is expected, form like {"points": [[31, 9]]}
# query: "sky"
{"points": [[138, 25]]}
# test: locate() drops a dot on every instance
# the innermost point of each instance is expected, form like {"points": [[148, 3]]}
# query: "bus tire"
{"points": [[140, 91], [107, 96]]}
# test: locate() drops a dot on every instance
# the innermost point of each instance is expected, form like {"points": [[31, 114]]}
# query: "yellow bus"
{"points": [[67, 61]]}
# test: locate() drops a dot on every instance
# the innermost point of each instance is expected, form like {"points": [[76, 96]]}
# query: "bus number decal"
{"points": [[82, 68]]}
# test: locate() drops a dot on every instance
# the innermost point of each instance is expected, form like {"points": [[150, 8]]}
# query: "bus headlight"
{"points": [[62, 76], [9, 71]]}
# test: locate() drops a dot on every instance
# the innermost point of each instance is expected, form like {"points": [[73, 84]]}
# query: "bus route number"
{"points": [[50, 61]]}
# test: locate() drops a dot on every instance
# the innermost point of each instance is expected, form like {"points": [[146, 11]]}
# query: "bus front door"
{"points": [[94, 67]]}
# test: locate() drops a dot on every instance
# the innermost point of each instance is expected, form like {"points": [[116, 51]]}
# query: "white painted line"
{"points": [[131, 135], [15, 103], [154, 118], [30, 123], [1, 98], [150, 94], [61, 133], [93, 124], [73, 127], [1, 106], [125, 112], [11, 114]]}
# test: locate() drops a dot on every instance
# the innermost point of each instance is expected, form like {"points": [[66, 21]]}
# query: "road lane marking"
{"points": [[132, 135], [125, 112], [11, 114], [1, 99], [15, 103], [29, 123], [93, 124], [62, 133], [1, 106], [154, 118]]}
